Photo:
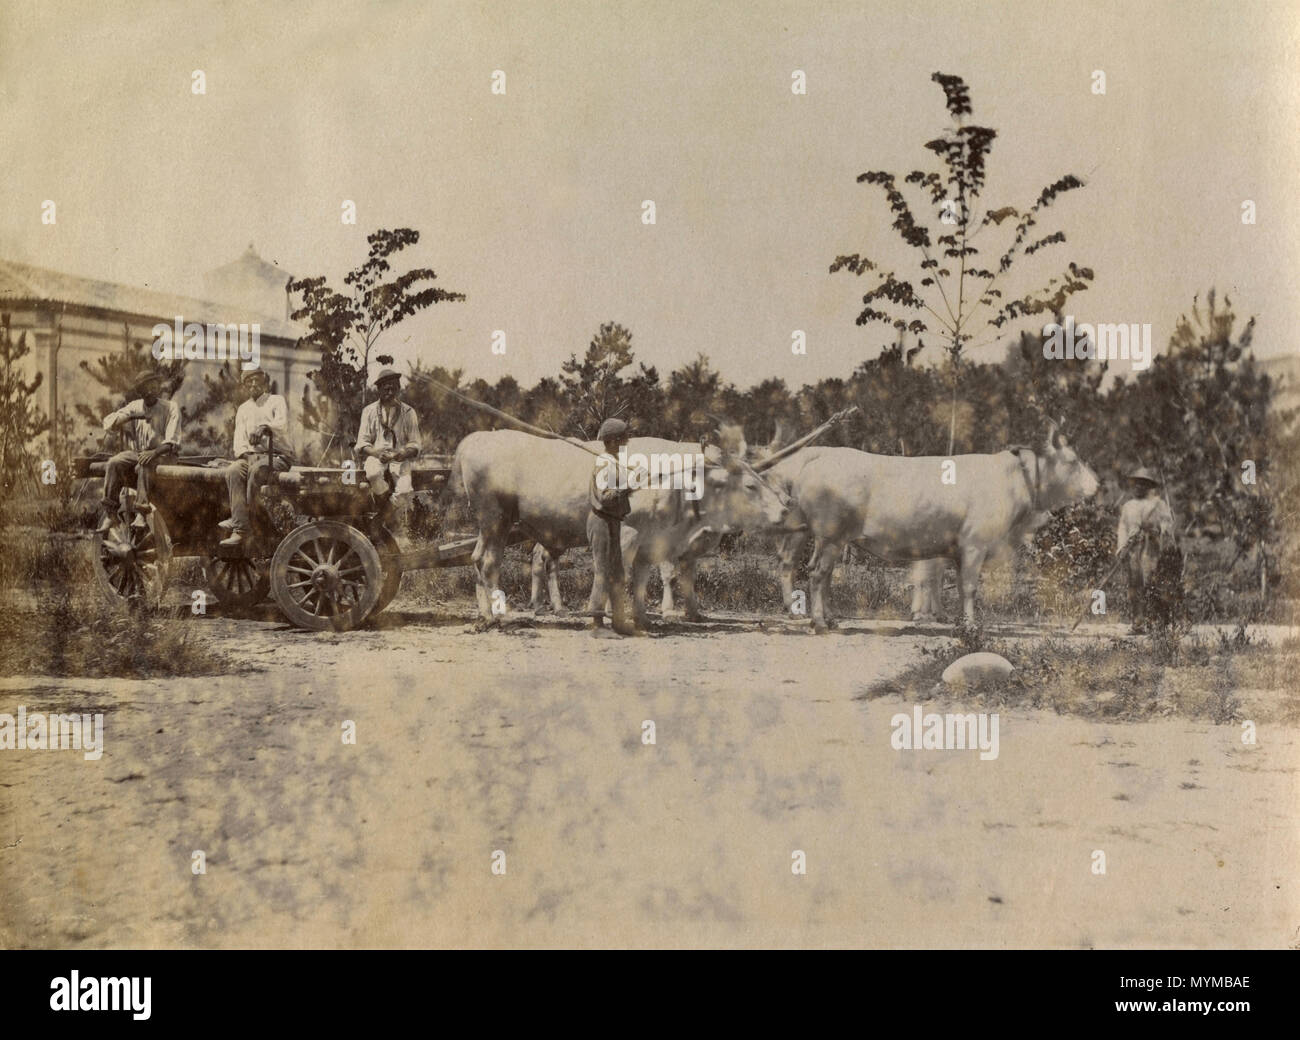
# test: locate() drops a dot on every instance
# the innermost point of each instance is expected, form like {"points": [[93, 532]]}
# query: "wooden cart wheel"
{"points": [[133, 563], [390, 558], [237, 582], [326, 575]]}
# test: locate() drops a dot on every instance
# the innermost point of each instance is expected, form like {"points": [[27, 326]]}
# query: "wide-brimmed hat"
{"points": [[387, 373], [1144, 474], [612, 430], [146, 379], [249, 373]]}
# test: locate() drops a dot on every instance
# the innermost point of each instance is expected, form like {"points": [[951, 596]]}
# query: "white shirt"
{"points": [[1151, 512], [164, 424], [404, 427], [272, 413]]}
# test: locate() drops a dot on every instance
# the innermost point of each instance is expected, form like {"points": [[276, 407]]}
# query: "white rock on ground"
{"points": [[974, 669]]}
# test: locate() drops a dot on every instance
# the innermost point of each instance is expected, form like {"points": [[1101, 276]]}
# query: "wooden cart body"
{"points": [[318, 544]]}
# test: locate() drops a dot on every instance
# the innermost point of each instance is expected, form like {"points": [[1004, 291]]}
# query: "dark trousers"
{"points": [[119, 472], [607, 568], [243, 476], [1142, 560]]}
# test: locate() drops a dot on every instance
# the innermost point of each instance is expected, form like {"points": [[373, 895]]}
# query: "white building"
{"points": [[69, 319]]}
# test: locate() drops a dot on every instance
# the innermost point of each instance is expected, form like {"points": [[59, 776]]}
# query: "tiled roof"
{"points": [[21, 283]]}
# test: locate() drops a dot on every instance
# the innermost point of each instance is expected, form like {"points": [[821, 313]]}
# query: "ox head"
{"points": [[1065, 478], [735, 496]]}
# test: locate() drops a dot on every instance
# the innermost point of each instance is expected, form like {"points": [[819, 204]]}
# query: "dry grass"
{"points": [[54, 622], [1222, 680]]}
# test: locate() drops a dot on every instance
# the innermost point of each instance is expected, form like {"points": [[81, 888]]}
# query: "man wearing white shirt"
{"points": [[261, 425], [150, 429], [388, 438]]}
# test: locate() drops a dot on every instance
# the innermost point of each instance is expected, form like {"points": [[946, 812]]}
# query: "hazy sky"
{"points": [[531, 202]]}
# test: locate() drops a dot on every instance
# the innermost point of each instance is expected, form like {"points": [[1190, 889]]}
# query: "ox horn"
{"points": [[806, 439]]}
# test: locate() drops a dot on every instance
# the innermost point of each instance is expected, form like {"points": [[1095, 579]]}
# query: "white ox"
{"points": [[926, 576], [512, 477], [915, 508], [682, 564]]}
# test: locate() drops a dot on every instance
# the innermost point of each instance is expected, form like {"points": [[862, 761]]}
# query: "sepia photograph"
{"points": [[649, 475]]}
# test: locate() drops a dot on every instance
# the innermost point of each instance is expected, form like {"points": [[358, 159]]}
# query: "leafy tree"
{"points": [[819, 403], [1035, 388], [444, 420], [345, 327], [604, 385], [763, 409], [326, 430], [894, 398], [66, 493], [546, 404], [118, 372], [21, 420], [953, 287], [693, 400], [1201, 416]]}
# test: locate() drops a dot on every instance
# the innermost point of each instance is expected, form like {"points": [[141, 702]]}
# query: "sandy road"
{"points": [[530, 742]]}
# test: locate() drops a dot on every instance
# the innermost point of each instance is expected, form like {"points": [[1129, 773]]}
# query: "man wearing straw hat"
{"points": [[388, 438], [150, 429], [1146, 517]]}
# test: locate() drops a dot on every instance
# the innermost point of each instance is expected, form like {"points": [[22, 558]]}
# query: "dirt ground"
{"points": [[529, 742]]}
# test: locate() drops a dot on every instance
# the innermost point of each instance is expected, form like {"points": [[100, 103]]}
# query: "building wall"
{"points": [[89, 335]]}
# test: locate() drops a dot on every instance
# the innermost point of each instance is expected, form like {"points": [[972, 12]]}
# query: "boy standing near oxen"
{"points": [[609, 499]]}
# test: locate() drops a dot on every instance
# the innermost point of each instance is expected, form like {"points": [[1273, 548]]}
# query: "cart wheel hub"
{"points": [[326, 579]]}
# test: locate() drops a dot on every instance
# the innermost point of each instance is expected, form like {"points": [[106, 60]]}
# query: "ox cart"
{"points": [[318, 545]]}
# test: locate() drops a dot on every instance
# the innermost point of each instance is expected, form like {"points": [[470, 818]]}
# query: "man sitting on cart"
{"points": [[388, 439], [260, 445], [151, 430]]}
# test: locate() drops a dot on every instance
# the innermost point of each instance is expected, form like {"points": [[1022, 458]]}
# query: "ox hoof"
{"points": [[820, 628], [695, 615]]}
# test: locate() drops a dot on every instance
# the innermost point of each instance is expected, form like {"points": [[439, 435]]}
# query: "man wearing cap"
{"points": [[260, 446], [388, 438], [1147, 517], [150, 429], [609, 499]]}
